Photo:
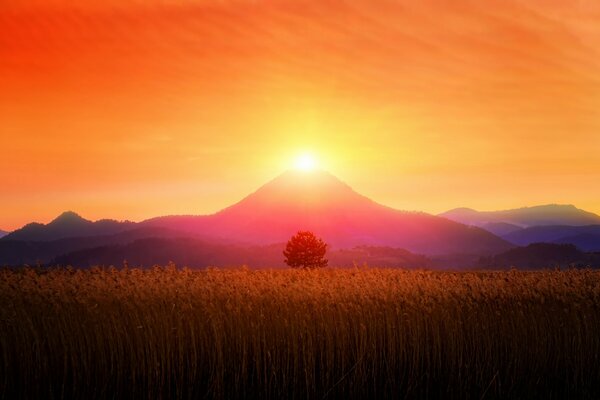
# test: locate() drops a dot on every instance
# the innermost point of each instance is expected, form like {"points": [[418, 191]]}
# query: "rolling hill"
{"points": [[198, 253], [542, 255]]}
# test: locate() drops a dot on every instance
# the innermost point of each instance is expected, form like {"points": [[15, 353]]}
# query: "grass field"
{"points": [[352, 333]]}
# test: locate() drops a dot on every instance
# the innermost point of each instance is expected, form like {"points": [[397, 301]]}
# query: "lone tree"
{"points": [[305, 250]]}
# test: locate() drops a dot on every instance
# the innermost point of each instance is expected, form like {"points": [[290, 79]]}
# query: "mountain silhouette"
{"points": [[584, 237], [320, 202], [3, 233], [553, 223], [550, 214], [68, 224]]}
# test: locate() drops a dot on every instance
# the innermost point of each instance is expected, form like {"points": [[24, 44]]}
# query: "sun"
{"points": [[305, 162]]}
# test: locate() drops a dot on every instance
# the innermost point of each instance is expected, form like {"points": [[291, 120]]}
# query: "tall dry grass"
{"points": [[364, 333]]}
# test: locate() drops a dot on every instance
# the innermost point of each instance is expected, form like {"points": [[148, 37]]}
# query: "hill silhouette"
{"points": [[320, 202], [3, 233], [20, 252], [542, 255], [197, 253], [586, 241], [68, 224]]}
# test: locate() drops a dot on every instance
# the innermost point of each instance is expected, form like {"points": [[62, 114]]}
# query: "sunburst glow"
{"points": [[305, 162]]}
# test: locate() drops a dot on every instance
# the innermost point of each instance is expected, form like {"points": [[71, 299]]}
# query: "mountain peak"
{"points": [[317, 180], [68, 217], [314, 177], [300, 191], [460, 210]]}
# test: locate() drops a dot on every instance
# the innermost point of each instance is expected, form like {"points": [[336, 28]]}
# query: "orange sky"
{"points": [[135, 109]]}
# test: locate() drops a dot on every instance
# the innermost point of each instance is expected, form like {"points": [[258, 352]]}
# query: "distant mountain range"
{"points": [[3, 233], [550, 214], [254, 230], [551, 223]]}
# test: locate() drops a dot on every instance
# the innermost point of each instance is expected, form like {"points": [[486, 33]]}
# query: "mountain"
{"points": [[585, 237], [551, 214], [320, 202], [3, 233], [549, 224], [542, 255], [68, 224]]}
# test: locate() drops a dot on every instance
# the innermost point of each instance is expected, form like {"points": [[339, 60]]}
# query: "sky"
{"points": [[134, 109]]}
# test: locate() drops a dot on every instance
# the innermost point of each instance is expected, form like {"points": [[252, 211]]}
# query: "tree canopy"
{"points": [[305, 250]]}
